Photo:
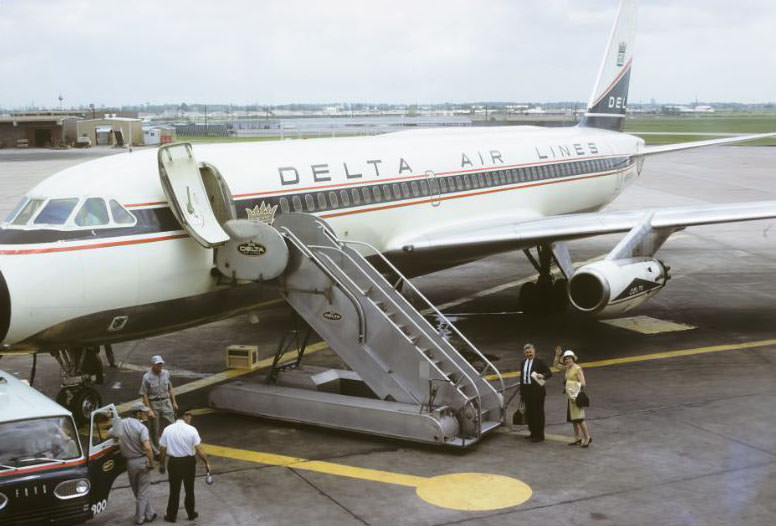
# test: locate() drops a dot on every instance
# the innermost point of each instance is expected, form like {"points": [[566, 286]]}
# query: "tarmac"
{"points": [[683, 389]]}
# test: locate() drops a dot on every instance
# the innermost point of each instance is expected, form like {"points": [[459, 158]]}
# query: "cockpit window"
{"points": [[15, 210], [55, 212], [120, 214], [28, 211], [92, 213]]}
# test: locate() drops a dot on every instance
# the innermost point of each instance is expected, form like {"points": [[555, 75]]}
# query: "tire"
{"points": [[560, 296], [527, 298], [85, 400]]}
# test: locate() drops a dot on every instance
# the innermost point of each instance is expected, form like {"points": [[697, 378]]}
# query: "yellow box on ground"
{"points": [[242, 357]]}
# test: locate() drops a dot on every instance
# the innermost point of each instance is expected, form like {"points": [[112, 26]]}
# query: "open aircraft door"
{"points": [[183, 186]]}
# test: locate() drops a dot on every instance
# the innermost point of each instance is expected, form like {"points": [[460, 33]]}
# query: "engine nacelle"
{"points": [[616, 286]]}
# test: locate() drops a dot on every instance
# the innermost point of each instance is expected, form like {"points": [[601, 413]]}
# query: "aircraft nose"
{"points": [[5, 308]]}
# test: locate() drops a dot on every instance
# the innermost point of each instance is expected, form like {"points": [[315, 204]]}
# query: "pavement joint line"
{"points": [[658, 356], [227, 375], [173, 372], [565, 439]]}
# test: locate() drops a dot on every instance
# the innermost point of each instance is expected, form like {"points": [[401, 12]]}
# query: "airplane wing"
{"points": [[664, 148], [514, 234]]}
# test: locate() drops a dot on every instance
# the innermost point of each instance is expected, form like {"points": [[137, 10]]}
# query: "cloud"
{"points": [[110, 52]]}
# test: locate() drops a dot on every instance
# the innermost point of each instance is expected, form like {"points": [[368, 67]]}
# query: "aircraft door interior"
{"points": [[188, 196]]}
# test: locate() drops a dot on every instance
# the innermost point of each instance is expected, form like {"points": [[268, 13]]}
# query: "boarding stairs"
{"points": [[417, 385]]}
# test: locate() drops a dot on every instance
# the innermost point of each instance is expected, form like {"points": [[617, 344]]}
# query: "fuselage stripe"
{"points": [[87, 247]]}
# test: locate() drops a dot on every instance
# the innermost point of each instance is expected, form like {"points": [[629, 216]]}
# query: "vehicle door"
{"points": [[104, 461], [182, 184]]}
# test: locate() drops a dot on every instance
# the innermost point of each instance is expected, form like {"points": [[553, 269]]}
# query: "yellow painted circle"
{"points": [[473, 491]]}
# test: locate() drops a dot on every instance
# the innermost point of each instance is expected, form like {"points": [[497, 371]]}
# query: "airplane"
{"points": [[138, 244]]}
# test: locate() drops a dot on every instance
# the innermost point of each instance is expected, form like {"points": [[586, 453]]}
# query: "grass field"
{"points": [[680, 129]]}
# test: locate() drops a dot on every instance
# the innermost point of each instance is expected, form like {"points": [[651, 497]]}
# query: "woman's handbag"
{"points": [[582, 400]]}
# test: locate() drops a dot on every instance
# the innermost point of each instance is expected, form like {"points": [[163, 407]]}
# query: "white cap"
{"points": [[567, 353], [156, 359]]}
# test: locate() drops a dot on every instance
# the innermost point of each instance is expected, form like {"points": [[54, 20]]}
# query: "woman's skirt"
{"points": [[573, 413]]}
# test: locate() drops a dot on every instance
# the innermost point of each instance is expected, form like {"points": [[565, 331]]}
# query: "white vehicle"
{"points": [[149, 242], [46, 476]]}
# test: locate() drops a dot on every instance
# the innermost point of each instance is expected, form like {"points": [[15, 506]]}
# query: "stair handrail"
{"points": [[488, 364], [411, 320], [359, 310]]}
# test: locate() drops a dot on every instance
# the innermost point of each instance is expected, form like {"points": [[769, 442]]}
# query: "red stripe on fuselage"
{"points": [[87, 247]]}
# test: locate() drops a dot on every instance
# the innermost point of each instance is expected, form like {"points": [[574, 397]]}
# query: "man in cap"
{"points": [[533, 373], [135, 446], [180, 443], [159, 396]]}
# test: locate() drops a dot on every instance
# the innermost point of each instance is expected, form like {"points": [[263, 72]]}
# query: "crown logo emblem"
{"points": [[263, 212]]}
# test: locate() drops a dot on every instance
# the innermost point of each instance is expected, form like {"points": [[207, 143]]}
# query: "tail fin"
{"points": [[606, 108]]}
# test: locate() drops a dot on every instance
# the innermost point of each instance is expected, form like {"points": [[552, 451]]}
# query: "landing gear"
{"points": [[546, 295], [80, 368], [81, 401]]}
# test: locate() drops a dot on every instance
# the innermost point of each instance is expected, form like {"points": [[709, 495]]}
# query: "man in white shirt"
{"points": [[180, 442]]}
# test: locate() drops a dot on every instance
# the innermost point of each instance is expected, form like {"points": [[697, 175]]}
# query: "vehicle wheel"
{"points": [[85, 401]]}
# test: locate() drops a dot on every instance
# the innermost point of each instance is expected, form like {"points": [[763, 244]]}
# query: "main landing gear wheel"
{"points": [[545, 295], [81, 401]]}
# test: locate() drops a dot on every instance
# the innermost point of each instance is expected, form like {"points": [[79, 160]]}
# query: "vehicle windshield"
{"points": [[27, 442]]}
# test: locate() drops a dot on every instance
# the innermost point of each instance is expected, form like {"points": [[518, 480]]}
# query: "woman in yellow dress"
{"points": [[575, 382]]}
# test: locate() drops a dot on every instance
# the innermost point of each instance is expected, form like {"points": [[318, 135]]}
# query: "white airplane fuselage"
{"points": [[116, 282]]}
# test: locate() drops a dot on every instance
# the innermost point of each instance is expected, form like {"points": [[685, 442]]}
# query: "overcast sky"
{"points": [[110, 52]]}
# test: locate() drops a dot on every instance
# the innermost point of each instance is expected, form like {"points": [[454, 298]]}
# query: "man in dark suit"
{"points": [[533, 371]]}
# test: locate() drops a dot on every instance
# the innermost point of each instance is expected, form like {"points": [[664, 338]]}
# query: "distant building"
{"points": [[112, 130], [40, 130], [158, 134]]}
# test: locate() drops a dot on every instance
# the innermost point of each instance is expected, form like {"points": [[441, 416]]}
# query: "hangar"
{"points": [[112, 130], [40, 129]]}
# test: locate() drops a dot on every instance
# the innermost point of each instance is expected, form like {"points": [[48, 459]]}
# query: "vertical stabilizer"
{"points": [[608, 102]]}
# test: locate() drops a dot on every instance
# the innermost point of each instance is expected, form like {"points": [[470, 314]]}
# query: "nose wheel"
{"points": [[81, 401], [80, 368]]}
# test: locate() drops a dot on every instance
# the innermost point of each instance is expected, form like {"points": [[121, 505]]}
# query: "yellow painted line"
{"points": [[647, 324], [458, 491], [659, 356], [318, 466], [228, 375]]}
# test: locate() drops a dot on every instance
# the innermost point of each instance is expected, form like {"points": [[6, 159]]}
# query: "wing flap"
{"points": [[510, 234]]}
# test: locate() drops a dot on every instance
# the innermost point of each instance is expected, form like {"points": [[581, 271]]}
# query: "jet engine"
{"points": [[612, 287]]}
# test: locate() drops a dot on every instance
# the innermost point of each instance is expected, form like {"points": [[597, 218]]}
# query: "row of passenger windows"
{"points": [[435, 186], [94, 211]]}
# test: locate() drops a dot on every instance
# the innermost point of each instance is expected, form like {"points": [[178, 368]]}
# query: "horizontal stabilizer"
{"points": [[664, 148]]}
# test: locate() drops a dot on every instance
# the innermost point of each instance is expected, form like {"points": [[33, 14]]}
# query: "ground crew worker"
{"points": [[159, 396], [135, 446], [180, 441]]}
